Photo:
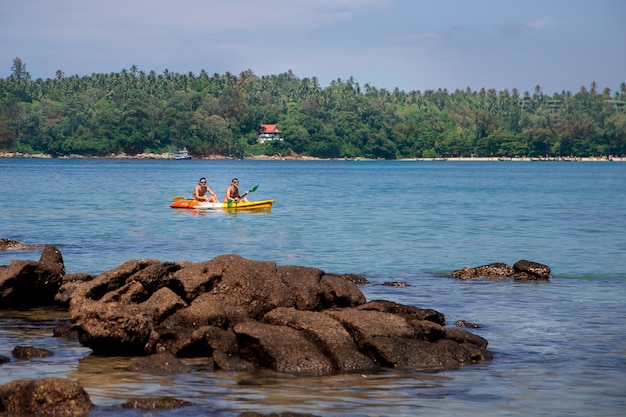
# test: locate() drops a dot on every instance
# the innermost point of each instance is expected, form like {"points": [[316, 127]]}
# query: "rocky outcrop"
{"points": [[10, 244], [247, 315], [29, 352], [159, 364], [528, 270], [522, 270], [465, 323], [280, 414], [155, 403], [243, 314], [30, 283], [48, 396]]}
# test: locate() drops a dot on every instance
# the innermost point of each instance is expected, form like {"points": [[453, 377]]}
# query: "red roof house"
{"points": [[269, 132]]}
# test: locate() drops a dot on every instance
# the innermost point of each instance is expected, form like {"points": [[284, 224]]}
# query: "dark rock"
{"points": [[159, 364], [202, 341], [207, 309], [495, 270], [464, 337], [155, 403], [408, 312], [465, 323], [49, 396], [10, 244], [338, 292], [528, 270], [427, 330], [110, 281], [70, 281], [231, 363], [29, 352], [281, 414], [396, 284], [4, 359], [522, 270], [327, 334], [65, 331], [30, 283], [114, 328], [280, 348], [249, 315], [354, 278]]}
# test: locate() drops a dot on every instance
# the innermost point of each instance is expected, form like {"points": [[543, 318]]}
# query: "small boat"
{"points": [[201, 205], [178, 154]]}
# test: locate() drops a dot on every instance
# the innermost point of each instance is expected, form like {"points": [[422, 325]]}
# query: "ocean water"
{"points": [[559, 345]]}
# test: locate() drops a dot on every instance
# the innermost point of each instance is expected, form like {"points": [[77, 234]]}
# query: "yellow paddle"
{"points": [[178, 197]]}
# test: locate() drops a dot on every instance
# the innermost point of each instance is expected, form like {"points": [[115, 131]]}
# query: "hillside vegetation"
{"points": [[136, 112]]}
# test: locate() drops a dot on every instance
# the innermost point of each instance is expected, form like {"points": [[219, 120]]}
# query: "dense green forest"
{"points": [[136, 112]]}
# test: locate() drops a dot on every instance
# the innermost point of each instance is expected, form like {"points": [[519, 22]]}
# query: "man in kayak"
{"points": [[232, 193], [199, 193]]}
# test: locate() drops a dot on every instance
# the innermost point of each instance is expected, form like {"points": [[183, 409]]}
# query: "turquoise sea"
{"points": [[559, 345]]}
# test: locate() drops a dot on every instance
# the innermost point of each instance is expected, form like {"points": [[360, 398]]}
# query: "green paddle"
{"points": [[251, 190]]}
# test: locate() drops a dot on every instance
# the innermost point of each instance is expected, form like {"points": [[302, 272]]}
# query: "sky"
{"points": [[413, 45]]}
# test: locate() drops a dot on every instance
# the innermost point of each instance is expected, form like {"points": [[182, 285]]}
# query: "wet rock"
{"points": [[408, 312], [281, 348], [231, 363], [495, 270], [328, 334], [65, 331], [30, 283], [338, 292], [248, 315], [155, 403], [396, 284], [114, 328], [280, 414], [465, 337], [159, 364], [354, 278], [4, 359], [522, 270], [70, 281], [528, 270], [202, 341], [10, 244], [29, 352], [465, 323], [48, 396]]}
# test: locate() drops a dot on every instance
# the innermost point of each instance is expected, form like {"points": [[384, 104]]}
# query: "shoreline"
{"points": [[164, 156]]}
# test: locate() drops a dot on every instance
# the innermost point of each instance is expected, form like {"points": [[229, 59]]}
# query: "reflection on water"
{"points": [[108, 383], [222, 212]]}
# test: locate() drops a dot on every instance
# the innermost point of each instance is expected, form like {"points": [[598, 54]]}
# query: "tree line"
{"points": [[135, 112]]}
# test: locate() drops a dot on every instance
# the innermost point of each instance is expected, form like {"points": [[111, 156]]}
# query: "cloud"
{"points": [[414, 44], [533, 25], [541, 23]]}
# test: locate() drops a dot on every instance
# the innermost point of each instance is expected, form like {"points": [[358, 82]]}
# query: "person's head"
{"points": [[202, 181], [235, 181]]}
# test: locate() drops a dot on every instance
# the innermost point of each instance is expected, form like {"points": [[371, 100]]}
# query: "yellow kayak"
{"points": [[201, 205]]}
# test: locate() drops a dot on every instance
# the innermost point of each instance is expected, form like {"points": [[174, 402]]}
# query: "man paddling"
{"points": [[232, 193]]}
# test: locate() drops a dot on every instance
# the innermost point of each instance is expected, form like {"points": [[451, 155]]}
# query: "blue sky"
{"points": [[409, 44]]}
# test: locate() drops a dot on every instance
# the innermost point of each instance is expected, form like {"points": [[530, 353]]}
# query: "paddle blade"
{"points": [[178, 197], [253, 189], [230, 203]]}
